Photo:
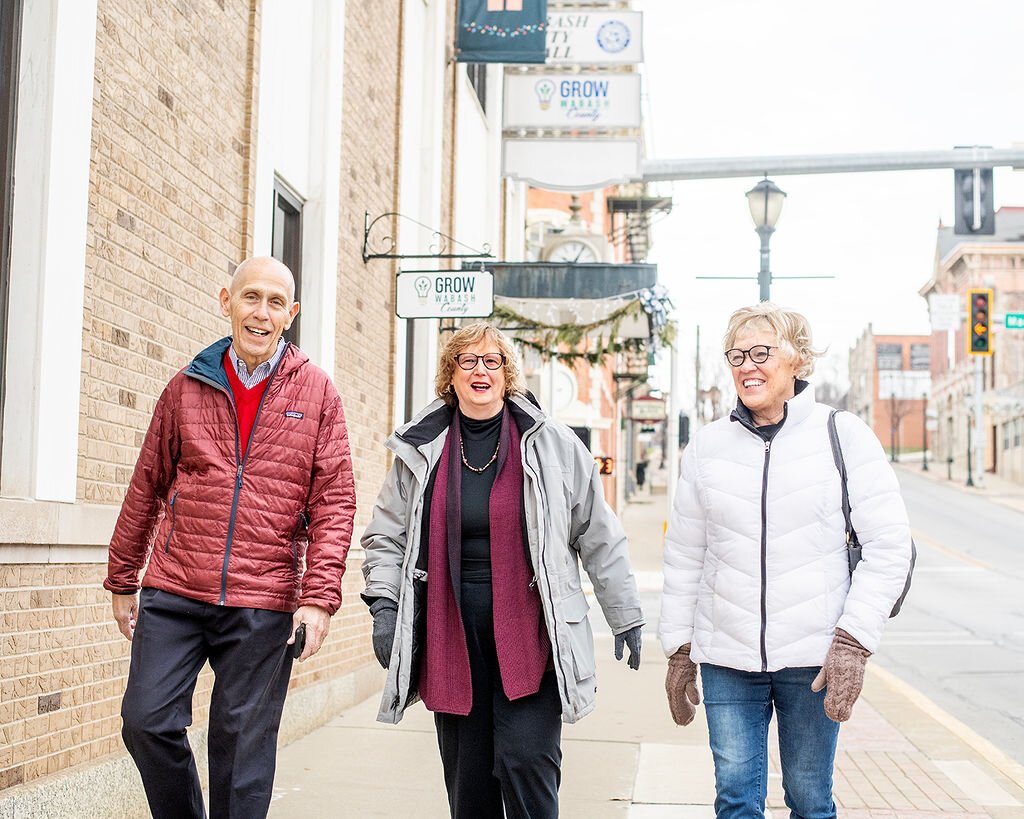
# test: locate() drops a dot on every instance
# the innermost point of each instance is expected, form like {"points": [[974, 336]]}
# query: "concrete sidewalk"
{"points": [[900, 755]]}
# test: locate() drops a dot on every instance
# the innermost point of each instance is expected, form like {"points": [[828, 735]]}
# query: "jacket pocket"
{"points": [[301, 526], [581, 638], [170, 532]]}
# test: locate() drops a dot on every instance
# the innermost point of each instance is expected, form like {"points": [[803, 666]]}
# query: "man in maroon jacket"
{"points": [[240, 514]]}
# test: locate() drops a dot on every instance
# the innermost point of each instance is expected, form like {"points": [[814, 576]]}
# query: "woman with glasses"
{"points": [[472, 577], [758, 590]]}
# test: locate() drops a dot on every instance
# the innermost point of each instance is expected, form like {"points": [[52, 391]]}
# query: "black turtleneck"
{"points": [[479, 442]]}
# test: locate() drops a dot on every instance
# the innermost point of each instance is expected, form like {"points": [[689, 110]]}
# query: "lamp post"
{"points": [[765, 200]]}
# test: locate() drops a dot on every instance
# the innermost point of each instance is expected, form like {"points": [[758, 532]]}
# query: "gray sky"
{"points": [[761, 77]]}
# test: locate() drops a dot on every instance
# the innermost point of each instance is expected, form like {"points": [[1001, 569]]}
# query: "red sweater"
{"points": [[247, 403]]}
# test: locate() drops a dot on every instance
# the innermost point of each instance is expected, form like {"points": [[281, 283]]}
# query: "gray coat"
{"points": [[567, 520]]}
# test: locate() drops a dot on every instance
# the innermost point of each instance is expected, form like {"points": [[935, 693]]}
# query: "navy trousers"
{"points": [[174, 637], [504, 758]]}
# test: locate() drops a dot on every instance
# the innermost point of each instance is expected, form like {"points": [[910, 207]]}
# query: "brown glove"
{"points": [[681, 686], [842, 675]]}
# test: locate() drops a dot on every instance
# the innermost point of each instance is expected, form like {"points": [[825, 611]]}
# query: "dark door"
{"points": [[10, 33], [286, 246]]}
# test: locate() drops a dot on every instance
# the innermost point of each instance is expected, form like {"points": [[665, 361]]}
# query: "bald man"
{"points": [[229, 548]]}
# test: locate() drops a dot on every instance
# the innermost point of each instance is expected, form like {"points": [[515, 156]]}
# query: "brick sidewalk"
{"points": [[899, 757]]}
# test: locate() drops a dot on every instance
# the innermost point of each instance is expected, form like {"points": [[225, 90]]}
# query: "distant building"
{"points": [[997, 262], [890, 380]]}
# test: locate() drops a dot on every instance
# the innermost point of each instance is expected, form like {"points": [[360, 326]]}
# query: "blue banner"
{"points": [[502, 31]]}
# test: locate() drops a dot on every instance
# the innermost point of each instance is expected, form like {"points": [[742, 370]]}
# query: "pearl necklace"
{"points": [[470, 466]]}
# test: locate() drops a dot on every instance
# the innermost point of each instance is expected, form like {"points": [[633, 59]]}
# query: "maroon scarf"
{"points": [[520, 635]]}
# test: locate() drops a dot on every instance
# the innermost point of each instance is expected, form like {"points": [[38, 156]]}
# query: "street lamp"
{"points": [[765, 200]]}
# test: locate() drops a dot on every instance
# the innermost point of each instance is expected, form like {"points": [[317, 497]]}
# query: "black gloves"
{"points": [[385, 620], [632, 639]]}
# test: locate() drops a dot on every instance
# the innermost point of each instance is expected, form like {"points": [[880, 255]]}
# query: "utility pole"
{"points": [[979, 438], [696, 392], [924, 432], [970, 479], [892, 425]]}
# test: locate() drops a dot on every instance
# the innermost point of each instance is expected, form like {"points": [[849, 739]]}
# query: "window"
{"points": [[477, 73], [10, 28], [286, 245]]}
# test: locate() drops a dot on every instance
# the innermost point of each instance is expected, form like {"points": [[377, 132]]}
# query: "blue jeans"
{"points": [[739, 707]]}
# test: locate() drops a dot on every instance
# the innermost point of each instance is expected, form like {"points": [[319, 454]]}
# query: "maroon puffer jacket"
{"points": [[236, 531]]}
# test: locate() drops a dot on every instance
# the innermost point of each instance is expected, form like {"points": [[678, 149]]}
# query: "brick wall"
{"points": [[170, 214], [369, 183]]}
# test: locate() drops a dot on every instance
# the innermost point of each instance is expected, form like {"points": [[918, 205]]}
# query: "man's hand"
{"points": [[681, 686], [126, 613], [632, 639], [843, 675], [318, 623]]}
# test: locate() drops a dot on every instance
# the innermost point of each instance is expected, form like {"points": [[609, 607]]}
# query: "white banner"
{"points": [[944, 309], [572, 101], [903, 385], [595, 37], [445, 294], [571, 164]]}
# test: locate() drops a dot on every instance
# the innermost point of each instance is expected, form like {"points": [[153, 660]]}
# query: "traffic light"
{"points": [[605, 464], [979, 321], [972, 195]]}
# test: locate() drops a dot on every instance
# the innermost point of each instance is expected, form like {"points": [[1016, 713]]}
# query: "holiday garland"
{"points": [[548, 339]]}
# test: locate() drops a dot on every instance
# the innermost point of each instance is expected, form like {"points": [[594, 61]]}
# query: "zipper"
{"points": [[764, 555], [412, 541], [542, 567], [167, 543], [239, 466]]}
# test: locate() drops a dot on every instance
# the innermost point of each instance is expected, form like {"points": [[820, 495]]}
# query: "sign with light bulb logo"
{"points": [[445, 294], [572, 101]]}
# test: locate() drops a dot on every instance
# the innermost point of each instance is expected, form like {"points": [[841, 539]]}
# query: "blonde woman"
{"points": [[758, 591], [472, 577]]}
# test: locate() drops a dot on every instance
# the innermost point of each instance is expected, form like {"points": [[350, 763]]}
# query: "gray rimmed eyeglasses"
{"points": [[492, 361], [759, 354]]}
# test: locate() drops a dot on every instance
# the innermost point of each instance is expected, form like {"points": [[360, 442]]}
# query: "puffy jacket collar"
{"points": [[208, 365], [795, 410]]}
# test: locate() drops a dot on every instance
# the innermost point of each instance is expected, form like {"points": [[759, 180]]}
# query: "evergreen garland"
{"points": [[546, 339]]}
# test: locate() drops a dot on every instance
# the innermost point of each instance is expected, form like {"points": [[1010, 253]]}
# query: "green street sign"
{"points": [[1014, 321]]}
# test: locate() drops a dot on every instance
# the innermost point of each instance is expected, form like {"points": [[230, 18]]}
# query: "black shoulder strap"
{"points": [[837, 456]]}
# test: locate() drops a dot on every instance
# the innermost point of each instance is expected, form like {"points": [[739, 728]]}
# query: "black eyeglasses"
{"points": [[758, 354], [492, 361]]}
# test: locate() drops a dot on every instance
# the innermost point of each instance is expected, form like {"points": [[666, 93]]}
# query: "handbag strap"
{"points": [[837, 456]]}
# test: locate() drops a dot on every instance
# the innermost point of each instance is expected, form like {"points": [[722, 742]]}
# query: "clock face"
{"points": [[572, 250]]}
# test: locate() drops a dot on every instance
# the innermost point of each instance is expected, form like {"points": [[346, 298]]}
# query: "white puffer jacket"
{"points": [[755, 565]]}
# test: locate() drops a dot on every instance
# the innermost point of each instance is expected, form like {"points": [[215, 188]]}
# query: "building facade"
{"points": [[995, 262], [889, 387], [154, 147]]}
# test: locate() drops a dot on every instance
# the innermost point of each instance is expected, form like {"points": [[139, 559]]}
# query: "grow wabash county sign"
{"points": [[445, 294], [572, 101]]}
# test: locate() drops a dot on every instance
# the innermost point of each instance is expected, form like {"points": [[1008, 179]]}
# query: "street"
{"points": [[960, 636]]}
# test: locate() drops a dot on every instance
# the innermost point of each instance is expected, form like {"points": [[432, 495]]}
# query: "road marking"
{"points": [[975, 783], [1012, 769], [956, 554]]}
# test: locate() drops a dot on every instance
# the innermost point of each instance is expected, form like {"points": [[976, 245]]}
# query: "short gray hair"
{"points": [[791, 328]]}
